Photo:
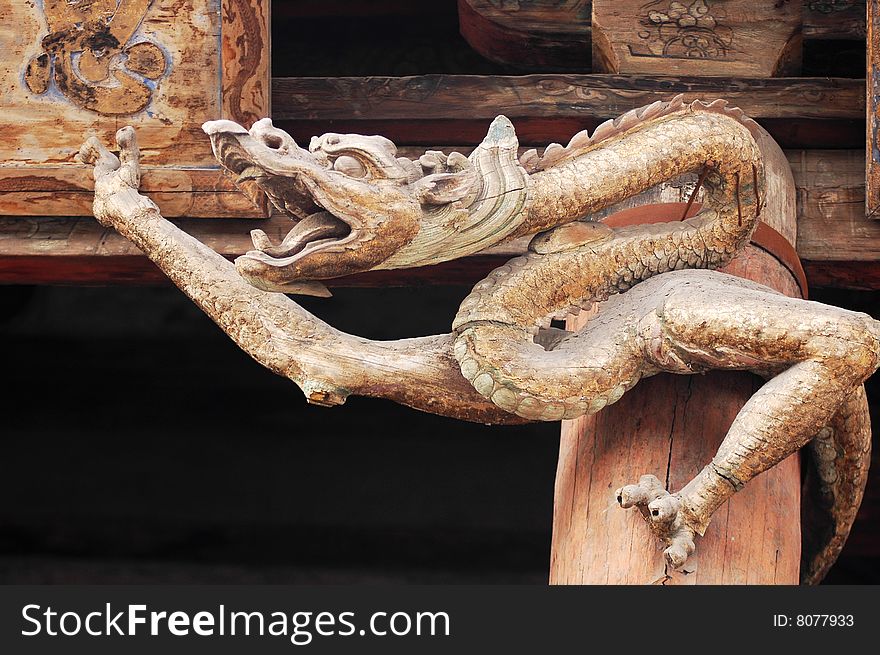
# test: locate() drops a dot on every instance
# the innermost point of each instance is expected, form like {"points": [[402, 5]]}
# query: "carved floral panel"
{"points": [[722, 38]]}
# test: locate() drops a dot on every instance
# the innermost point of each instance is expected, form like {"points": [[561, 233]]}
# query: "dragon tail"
{"points": [[840, 455]]}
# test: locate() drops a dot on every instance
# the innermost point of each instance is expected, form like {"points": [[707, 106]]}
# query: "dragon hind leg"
{"points": [[820, 355]]}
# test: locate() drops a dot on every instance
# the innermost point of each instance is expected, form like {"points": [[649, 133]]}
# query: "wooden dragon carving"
{"points": [[358, 206]]}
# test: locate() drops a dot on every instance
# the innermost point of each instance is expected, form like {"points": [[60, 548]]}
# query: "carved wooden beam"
{"points": [[454, 109], [838, 244], [552, 95]]}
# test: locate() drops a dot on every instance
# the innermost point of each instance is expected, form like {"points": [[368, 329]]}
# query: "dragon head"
{"points": [[355, 203]]}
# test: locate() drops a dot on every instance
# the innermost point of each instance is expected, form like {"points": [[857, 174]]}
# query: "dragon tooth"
{"points": [[304, 288], [260, 240], [222, 127]]}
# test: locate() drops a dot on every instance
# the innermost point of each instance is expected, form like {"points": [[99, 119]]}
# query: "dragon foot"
{"points": [[663, 512]]}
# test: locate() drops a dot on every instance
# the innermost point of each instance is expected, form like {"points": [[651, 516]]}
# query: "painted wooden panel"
{"points": [[70, 70]]}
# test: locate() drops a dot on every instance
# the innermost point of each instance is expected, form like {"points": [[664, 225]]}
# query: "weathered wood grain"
{"points": [[444, 109], [57, 191], [190, 203], [552, 35], [834, 19], [832, 224], [669, 426], [49, 127], [736, 38], [246, 71], [439, 97]]}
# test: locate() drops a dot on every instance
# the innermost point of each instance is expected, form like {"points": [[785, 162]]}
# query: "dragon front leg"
{"points": [[328, 365]]}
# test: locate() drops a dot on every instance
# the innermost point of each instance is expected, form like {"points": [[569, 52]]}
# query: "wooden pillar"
{"points": [[671, 426]]}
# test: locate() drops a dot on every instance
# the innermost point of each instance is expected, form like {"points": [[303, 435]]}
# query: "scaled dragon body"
{"points": [[358, 206]]}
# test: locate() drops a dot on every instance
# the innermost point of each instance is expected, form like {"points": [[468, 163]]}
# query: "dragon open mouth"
{"points": [[357, 205], [287, 174], [319, 231]]}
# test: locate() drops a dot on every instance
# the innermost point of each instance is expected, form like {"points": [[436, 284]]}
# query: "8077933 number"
{"points": [[814, 621]]}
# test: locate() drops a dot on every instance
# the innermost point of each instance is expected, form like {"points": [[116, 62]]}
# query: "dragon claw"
{"points": [[663, 512], [681, 547], [647, 489]]}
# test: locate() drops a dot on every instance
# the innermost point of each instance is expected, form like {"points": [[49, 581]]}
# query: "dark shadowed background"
{"points": [[141, 445]]}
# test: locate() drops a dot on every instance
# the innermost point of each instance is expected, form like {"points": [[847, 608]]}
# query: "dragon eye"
{"points": [[272, 141], [350, 166]]}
